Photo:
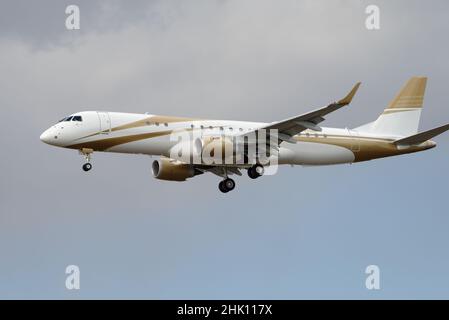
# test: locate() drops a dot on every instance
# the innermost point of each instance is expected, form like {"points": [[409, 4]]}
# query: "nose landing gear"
{"points": [[87, 153], [226, 185]]}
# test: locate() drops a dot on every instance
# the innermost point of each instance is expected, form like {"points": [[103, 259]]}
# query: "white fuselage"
{"points": [[150, 135]]}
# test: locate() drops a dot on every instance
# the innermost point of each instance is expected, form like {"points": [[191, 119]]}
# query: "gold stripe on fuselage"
{"points": [[364, 148], [104, 144]]}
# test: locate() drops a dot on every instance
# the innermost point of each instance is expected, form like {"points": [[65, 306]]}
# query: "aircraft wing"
{"points": [[289, 127]]}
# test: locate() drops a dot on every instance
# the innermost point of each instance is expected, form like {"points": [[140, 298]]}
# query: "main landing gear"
{"points": [[226, 185], [86, 153], [255, 171]]}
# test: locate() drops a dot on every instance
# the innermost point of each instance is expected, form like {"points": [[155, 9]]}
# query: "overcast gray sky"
{"points": [[304, 233]]}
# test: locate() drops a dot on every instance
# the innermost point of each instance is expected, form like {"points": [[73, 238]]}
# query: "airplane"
{"points": [[299, 140]]}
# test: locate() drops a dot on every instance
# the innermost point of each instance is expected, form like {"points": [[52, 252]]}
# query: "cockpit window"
{"points": [[72, 118]]}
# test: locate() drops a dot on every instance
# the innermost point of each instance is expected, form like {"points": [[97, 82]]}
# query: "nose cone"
{"points": [[46, 136]]}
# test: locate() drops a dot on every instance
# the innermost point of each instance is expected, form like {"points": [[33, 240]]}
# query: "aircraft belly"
{"points": [[311, 153]]}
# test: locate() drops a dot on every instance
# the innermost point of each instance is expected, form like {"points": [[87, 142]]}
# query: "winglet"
{"points": [[347, 100]]}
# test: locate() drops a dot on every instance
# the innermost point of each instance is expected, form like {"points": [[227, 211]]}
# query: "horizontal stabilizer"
{"points": [[422, 137]]}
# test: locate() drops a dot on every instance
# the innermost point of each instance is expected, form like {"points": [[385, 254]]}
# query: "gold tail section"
{"points": [[410, 96]]}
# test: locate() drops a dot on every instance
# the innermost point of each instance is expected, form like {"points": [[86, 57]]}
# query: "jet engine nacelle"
{"points": [[167, 169]]}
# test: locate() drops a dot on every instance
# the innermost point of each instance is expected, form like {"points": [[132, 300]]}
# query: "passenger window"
{"points": [[166, 124]]}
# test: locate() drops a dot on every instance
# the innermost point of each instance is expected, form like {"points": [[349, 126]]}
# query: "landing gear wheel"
{"points": [[87, 167], [256, 171], [226, 185], [222, 187], [229, 184]]}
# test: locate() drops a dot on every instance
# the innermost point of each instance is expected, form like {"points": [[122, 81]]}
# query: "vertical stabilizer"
{"points": [[401, 117]]}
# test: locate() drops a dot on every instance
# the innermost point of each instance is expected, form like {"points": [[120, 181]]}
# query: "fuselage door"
{"points": [[105, 122]]}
